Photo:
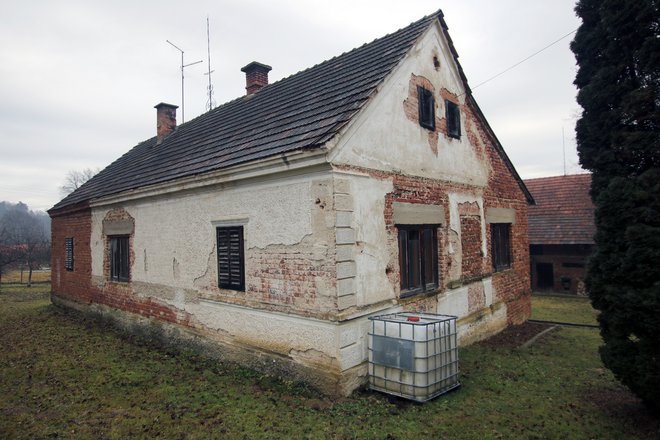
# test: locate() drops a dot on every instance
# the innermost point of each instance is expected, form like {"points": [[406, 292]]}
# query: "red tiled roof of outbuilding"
{"points": [[564, 213]]}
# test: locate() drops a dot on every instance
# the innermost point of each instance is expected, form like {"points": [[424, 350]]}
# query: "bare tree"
{"points": [[74, 179], [9, 253], [25, 240]]}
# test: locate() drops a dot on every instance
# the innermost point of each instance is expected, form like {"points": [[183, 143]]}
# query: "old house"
{"points": [[561, 232], [269, 229]]}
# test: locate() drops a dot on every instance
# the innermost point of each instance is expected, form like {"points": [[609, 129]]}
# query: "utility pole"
{"points": [[183, 105]]}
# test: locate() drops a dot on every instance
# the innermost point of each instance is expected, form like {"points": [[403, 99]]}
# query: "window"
{"points": [[68, 253], [426, 108], [231, 258], [418, 258], [119, 255], [453, 115], [501, 245]]}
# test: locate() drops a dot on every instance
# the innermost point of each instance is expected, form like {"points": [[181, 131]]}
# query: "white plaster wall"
{"points": [[175, 238], [372, 253], [285, 333], [383, 138]]}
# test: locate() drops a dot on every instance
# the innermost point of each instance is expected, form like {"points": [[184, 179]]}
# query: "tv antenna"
{"points": [[563, 146], [183, 105], [210, 103]]}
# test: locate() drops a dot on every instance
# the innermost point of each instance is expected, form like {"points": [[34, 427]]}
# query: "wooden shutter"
{"points": [[453, 115], [68, 253], [426, 108], [231, 258]]}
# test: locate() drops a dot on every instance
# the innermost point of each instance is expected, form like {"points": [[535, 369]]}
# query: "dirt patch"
{"points": [[514, 336], [622, 405]]}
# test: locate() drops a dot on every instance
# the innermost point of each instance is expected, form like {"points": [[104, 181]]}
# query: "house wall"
{"points": [[74, 223], [389, 158], [321, 249], [569, 267]]}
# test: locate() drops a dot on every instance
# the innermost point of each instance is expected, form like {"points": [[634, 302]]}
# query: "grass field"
{"points": [[575, 310], [14, 276], [65, 376]]}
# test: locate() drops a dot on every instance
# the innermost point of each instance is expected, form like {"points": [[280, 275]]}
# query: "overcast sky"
{"points": [[79, 79]]}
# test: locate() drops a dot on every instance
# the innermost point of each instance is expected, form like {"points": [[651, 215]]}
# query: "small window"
{"points": [[119, 256], [418, 258], [453, 115], [501, 246], [68, 254], [426, 108], [231, 258]]}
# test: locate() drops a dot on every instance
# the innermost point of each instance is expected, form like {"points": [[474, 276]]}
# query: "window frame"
{"points": [[235, 272], [426, 108], [119, 258], [453, 117], [427, 243], [68, 254], [500, 236]]}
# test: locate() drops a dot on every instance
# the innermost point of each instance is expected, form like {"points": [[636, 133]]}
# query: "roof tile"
{"points": [[304, 110], [564, 212]]}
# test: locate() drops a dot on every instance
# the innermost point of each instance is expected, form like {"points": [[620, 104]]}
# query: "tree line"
{"points": [[24, 239]]}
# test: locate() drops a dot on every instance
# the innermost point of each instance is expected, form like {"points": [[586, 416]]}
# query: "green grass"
{"points": [[575, 310], [68, 377]]}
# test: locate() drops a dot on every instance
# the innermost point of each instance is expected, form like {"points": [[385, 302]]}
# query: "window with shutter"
{"points": [[426, 108], [453, 115], [119, 258], [68, 253], [231, 258]]}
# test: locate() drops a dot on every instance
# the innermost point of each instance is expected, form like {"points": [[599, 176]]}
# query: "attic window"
{"points": [[453, 115], [426, 108]]}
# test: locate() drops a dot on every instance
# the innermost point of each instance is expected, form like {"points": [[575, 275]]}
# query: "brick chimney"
{"points": [[256, 76], [165, 120]]}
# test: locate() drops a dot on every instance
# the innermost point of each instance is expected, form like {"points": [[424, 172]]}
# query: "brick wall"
{"points": [[75, 223], [568, 263], [77, 285], [289, 276], [503, 191]]}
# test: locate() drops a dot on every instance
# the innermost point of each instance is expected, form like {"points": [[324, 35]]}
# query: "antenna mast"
{"points": [[563, 146], [210, 103], [183, 105]]}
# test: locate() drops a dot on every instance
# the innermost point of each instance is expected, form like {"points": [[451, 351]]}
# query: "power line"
{"points": [[523, 60]]}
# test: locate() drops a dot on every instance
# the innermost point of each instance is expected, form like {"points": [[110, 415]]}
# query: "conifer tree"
{"points": [[617, 48]]}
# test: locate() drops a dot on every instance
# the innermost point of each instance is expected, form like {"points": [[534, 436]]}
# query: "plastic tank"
{"points": [[413, 355]]}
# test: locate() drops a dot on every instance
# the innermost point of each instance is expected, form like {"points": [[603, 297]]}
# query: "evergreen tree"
{"points": [[617, 48]]}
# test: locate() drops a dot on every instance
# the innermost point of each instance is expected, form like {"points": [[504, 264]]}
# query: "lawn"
{"points": [[70, 377], [575, 310], [15, 276]]}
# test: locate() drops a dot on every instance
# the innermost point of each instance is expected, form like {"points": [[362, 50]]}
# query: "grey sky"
{"points": [[79, 79]]}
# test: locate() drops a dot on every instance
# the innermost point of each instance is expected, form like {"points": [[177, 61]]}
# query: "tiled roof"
{"points": [[304, 110], [564, 213]]}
